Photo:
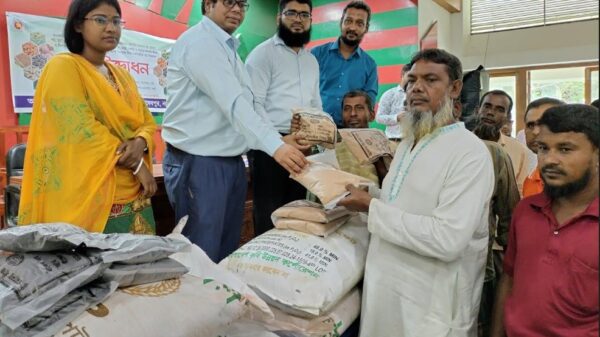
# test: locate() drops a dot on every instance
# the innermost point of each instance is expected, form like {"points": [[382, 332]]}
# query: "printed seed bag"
{"points": [[367, 145], [302, 274], [204, 302], [316, 127], [182, 307], [62, 312], [30, 283]]}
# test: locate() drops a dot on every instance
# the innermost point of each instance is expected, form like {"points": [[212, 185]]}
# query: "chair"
{"points": [[12, 194]]}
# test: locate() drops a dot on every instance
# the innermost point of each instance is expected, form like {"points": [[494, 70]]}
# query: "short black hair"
{"points": [[283, 3], [358, 4], [596, 103], [204, 2], [578, 118], [77, 13], [440, 56], [359, 93], [542, 101], [499, 93], [406, 68]]}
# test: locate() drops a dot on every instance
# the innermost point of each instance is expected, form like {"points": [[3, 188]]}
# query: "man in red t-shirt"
{"points": [[550, 281]]}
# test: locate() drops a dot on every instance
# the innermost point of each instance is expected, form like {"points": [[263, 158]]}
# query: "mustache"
{"points": [[552, 168]]}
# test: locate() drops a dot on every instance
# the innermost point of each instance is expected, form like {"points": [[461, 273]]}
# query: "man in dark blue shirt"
{"points": [[343, 65]]}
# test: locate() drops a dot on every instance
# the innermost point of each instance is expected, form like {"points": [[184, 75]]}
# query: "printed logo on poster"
{"points": [[33, 40]]}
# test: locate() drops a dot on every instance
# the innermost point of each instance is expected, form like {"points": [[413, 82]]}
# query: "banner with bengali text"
{"points": [[33, 40]]}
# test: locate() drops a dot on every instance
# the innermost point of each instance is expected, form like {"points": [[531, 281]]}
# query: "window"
{"points": [[566, 84], [493, 15], [572, 83]]}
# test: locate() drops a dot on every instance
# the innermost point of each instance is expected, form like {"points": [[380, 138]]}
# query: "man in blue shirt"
{"points": [[209, 123], [343, 65]]}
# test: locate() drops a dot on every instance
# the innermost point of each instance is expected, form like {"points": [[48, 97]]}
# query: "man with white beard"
{"points": [[427, 255]]}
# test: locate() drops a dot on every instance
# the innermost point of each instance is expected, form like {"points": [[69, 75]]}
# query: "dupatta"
{"points": [[78, 121]]}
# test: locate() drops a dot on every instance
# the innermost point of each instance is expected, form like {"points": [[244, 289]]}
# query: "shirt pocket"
{"points": [[579, 289]]}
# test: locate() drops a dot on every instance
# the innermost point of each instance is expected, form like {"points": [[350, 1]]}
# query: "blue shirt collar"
{"points": [[335, 45], [221, 35]]}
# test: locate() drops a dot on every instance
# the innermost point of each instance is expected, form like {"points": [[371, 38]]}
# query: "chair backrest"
{"points": [[14, 160]]}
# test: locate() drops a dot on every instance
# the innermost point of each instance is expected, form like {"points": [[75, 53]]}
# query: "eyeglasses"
{"points": [[243, 4], [292, 14], [102, 21]]}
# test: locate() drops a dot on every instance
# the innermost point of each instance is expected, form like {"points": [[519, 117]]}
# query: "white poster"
{"points": [[33, 40]]}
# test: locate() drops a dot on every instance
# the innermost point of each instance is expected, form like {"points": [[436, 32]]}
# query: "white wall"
{"points": [[430, 12], [563, 43]]}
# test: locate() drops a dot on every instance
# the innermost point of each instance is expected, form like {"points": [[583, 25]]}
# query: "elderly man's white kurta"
{"points": [[427, 255]]}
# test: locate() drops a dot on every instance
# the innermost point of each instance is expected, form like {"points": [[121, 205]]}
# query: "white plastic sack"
{"points": [[200, 265], [184, 307], [303, 274], [333, 323], [246, 328]]}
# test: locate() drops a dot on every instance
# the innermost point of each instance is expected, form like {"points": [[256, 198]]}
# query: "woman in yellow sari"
{"points": [[88, 159]]}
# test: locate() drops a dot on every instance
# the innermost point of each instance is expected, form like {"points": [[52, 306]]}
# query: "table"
{"points": [[164, 215]]}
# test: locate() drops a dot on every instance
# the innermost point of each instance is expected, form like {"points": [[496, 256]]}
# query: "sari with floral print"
{"points": [[79, 119]]}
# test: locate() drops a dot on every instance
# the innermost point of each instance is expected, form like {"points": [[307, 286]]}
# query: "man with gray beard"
{"points": [[427, 255]]}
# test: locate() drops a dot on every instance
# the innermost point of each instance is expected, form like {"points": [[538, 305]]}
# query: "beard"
{"points": [[555, 192], [484, 131], [419, 124], [291, 39], [351, 43]]}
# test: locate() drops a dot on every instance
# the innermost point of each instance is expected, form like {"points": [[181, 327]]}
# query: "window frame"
{"points": [[522, 88], [588, 83]]}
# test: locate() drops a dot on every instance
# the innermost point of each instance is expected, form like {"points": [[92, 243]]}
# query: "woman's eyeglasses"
{"points": [[102, 21]]}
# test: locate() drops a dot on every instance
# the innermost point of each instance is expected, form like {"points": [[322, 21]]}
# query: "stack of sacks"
{"points": [[328, 183], [334, 323], [51, 273], [309, 280], [209, 301], [316, 127], [310, 217]]}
